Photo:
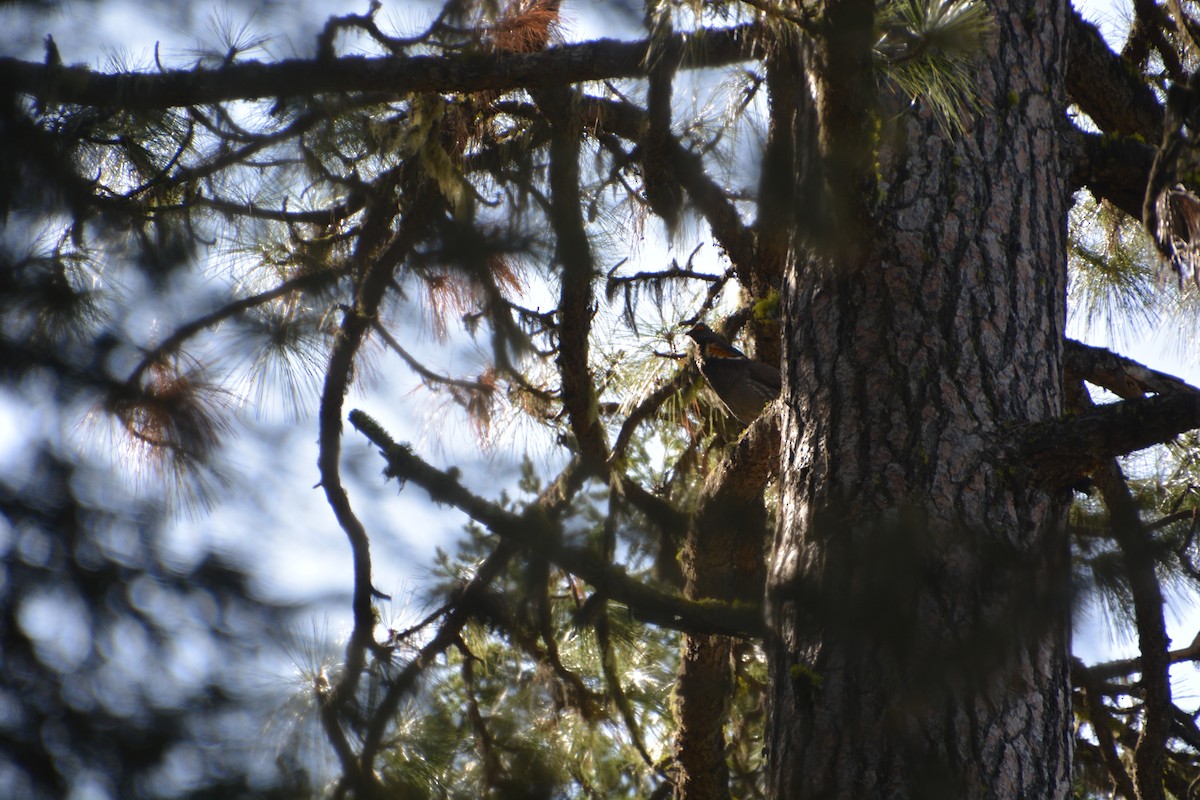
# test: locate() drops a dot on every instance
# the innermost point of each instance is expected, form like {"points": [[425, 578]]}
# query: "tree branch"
{"points": [[534, 530], [380, 256], [447, 634], [576, 291], [450, 72], [1125, 666], [723, 560], [710, 198], [1122, 376], [649, 406], [1101, 723], [1185, 27], [1114, 168], [308, 281], [1149, 23], [428, 375], [1063, 451], [1104, 86], [1137, 553]]}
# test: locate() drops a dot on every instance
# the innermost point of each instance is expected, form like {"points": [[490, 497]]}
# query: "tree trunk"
{"points": [[722, 560], [918, 588]]}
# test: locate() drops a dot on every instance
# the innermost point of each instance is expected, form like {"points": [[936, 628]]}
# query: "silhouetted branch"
{"points": [[380, 253], [1127, 666], [1122, 376], [576, 291], [1113, 167], [461, 612], [427, 374], [535, 531], [184, 332], [710, 198], [1116, 97], [451, 72], [1140, 564], [649, 405], [1062, 451], [1102, 722]]}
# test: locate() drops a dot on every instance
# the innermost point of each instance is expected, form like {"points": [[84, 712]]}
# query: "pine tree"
{"points": [[865, 592]]}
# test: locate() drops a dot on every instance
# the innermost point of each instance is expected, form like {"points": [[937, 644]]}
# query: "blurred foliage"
{"points": [[129, 668], [124, 672]]}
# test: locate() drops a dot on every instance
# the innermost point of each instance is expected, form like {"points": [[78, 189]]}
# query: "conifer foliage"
{"points": [[186, 240]]}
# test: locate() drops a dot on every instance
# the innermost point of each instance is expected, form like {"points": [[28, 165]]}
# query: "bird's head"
{"points": [[713, 344]]}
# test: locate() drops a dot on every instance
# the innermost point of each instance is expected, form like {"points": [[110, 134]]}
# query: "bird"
{"points": [[743, 385]]}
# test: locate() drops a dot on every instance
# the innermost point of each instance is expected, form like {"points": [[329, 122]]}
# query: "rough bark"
{"points": [[918, 629], [723, 559], [701, 709]]}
